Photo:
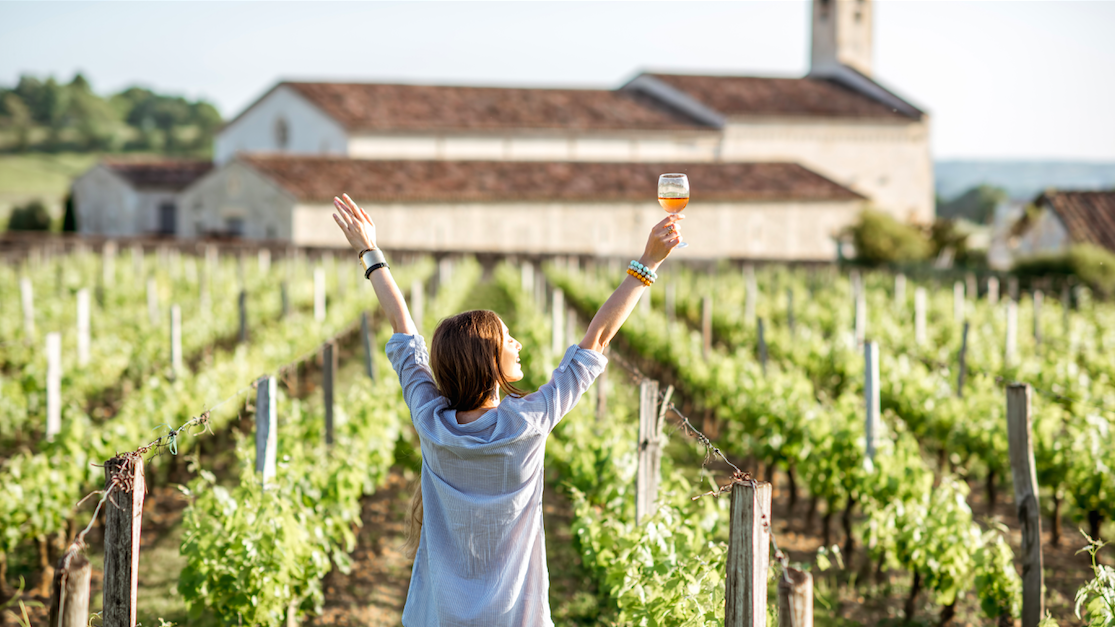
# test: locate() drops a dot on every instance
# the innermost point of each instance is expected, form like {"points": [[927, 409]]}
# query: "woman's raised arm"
{"points": [[663, 238], [360, 232]]}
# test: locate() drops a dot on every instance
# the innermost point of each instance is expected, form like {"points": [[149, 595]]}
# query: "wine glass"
{"points": [[673, 194]]}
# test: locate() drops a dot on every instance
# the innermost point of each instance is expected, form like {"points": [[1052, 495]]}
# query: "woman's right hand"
{"points": [[358, 228], [663, 238]]}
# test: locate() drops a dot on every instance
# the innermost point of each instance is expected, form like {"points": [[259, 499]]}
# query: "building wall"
{"points": [[309, 131], [890, 163], [769, 230], [529, 145], [232, 193], [105, 204], [1047, 235]]}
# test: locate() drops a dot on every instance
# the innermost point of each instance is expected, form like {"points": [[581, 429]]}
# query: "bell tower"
{"points": [[841, 35]]}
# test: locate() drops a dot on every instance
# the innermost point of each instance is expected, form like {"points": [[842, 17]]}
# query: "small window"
{"points": [[824, 4], [234, 227], [282, 134]]}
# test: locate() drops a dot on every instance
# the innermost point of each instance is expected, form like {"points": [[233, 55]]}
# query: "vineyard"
{"points": [[252, 402]]}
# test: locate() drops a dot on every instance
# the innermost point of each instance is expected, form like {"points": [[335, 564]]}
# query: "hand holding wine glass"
{"points": [[673, 194]]}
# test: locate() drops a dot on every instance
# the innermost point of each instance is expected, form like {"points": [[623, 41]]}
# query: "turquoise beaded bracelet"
{"points": [[643, 270]]}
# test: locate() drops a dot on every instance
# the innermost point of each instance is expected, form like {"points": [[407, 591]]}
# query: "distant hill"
{"points": [[1021, 179]]}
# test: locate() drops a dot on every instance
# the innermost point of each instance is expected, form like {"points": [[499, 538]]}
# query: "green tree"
{"points": [[975, 205], [31, 217], [880, 239], [69, 219], [18, 117]]}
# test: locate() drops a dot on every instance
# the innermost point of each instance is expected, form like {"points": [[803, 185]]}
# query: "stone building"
{"points": [[1058, 220], [837, 120], [129, 197], [835, 124], [772, 211]]}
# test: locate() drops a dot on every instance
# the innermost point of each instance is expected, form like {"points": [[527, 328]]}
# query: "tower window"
{"points": [[824, 4], [282, 134]]}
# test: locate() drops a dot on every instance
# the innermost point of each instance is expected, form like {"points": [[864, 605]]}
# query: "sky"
{"points": [[1001, 80]]}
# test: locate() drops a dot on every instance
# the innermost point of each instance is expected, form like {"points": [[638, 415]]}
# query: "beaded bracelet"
{"points": [[642, 279], [643, 270]]}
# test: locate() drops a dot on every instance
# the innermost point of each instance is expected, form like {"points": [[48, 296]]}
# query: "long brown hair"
{"points": [[465, 359]]}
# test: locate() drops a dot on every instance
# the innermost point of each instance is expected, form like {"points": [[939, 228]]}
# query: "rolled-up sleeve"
{"points": [[411, 362], [573, 375]]}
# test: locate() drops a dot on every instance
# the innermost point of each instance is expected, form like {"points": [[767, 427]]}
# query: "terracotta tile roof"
{"points": [[166, 174], [321, 178], [379, 107], [1089, 217], [752, 95]]}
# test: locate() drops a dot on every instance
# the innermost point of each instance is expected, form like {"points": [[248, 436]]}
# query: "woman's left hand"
{"points": [[358, 228]]}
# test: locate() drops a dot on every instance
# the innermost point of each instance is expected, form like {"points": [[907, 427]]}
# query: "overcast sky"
{"points": [[1016, 80]]}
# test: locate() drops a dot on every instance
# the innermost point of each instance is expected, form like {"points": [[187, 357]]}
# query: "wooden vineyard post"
{"points": [[1025, 478], [526, 277], [176, 341], [264, 255], [670, 294], [745, 586], [706, 325], [242, 303], [444, 272], [919, 315], [417, 303], [27, 297], [1012, 332], [751, 295], [152, 301], [319, 294], [328, 372], [123, 515], [1066, 305], [267, 437], [993, 291], [958, 302], [557, 320], [83, 335], [69, 597], [53, 385], [137, 263], [1039, 298], [871, 395], [963, 369], [790, 309], [366, 335], [971, 286], [861, 314], [571, 322], [646, 481], [108, 263], [899, 302], [284, 296], [762, 346], [203, 300], [795, 599], [1012, 288]]}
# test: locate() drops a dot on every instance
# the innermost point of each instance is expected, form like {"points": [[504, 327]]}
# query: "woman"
{"points": [[481, 555]]}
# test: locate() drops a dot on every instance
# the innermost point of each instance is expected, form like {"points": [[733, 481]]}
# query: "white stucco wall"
{"points": [[526, 145], [310, 131], [235, 192], [889, 162], [771, 230], [105, 204]]}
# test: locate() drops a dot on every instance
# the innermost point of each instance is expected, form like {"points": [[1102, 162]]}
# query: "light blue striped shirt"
{"points": [[481, 560]]}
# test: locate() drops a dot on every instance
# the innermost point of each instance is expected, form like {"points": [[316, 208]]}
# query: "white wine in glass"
{"points": [[673, 194]]}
